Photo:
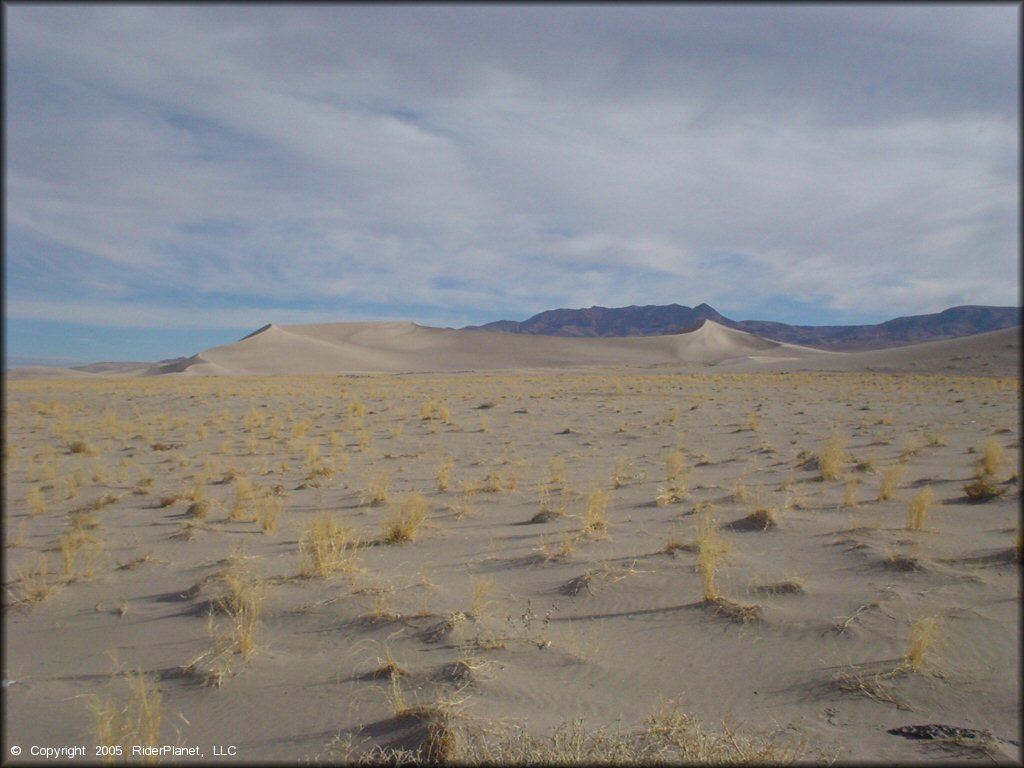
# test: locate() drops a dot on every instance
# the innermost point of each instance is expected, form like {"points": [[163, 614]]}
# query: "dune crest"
{"points": [[391, 347]]}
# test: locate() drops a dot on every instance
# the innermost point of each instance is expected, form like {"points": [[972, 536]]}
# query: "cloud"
{"points": [[229, 164]]}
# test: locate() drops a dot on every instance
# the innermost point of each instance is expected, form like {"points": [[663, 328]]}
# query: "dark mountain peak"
{"points": [[658, 320]]}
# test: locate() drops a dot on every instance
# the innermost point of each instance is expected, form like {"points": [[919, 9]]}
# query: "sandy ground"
{"points": [[510, 606]]}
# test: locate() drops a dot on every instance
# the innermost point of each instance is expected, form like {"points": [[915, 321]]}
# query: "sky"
{"points": [[178, 176]]}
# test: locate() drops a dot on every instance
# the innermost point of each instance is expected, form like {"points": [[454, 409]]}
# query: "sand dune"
{"points": [[994, 353], [407, 347]]}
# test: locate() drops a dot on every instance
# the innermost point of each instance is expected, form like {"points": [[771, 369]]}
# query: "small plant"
{"points": [[992, 457], [850, 491], [621, 475], [243, 604], [324, 548], [983, 489], [482, 586], [82, 446], [595, 516], [35, 502], [917, 510], [405, 523], [891, 477], [269, 506], [243, 496], [674, 466], [33, 585], [78, 550], [922, 635], [556, 465], [671, 494], [711, 552], [132, 723], [376, 492], [831, 456], [444, 474]]}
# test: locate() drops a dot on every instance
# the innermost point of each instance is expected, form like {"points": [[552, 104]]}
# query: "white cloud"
{"points": [[461, 164]]}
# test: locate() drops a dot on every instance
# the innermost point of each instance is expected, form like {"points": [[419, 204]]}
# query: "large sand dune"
{"points": [[404, 347]]}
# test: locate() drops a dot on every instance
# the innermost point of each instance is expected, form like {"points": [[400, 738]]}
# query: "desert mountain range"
{"points": [[400, 347], [657, 320]]}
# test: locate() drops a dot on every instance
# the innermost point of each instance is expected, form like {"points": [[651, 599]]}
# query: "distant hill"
{"points": [[657, 320]]}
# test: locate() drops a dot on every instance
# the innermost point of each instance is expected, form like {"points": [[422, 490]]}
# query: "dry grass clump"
{"points": [[992, 457], [831, 456], [243, 604], [376, 492], [325, 548], [671, 494], [82, 446], [35, 501], [556, 467], [922, 636], [32, 585], [482, 587], [444, 474], [565, 548], [891, 477], [711, 553], [134, 722], [761, 519], [850, 491], [622, 474], [668, 736], [404, 524], [917, 510], [982, 489], [79, 551], [595, 516], [674, 465], [243, 497]]}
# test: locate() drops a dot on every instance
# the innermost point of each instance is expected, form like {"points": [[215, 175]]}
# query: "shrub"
{"points": [[405, 523], [917, 510]]}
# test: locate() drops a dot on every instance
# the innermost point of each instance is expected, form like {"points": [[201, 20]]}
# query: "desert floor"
{"points": [[304, 568]]}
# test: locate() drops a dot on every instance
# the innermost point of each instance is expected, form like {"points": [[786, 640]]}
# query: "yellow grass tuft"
{"points": [[324, 548], [674, 466], [404, 524], [376, 492], [556, 465], [711, 552], [891, 477], [922, 635], [35, 502], [134, 722], [992, 457], [595, 516], [444, 474], [482, 587], [917, 510], [982, 489], [831, 456]]}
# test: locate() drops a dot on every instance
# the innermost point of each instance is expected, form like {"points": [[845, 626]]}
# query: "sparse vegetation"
{"points": [[595, 516], [132, 722], [831, 456], [917, 510], [405, 523], [891, 477], [326, 547]]}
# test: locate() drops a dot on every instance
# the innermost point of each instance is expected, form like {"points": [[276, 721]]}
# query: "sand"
{"points": [[511, 608]]}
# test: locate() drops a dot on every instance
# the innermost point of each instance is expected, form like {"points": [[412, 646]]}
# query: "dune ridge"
{"points": [[407, 347]]}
